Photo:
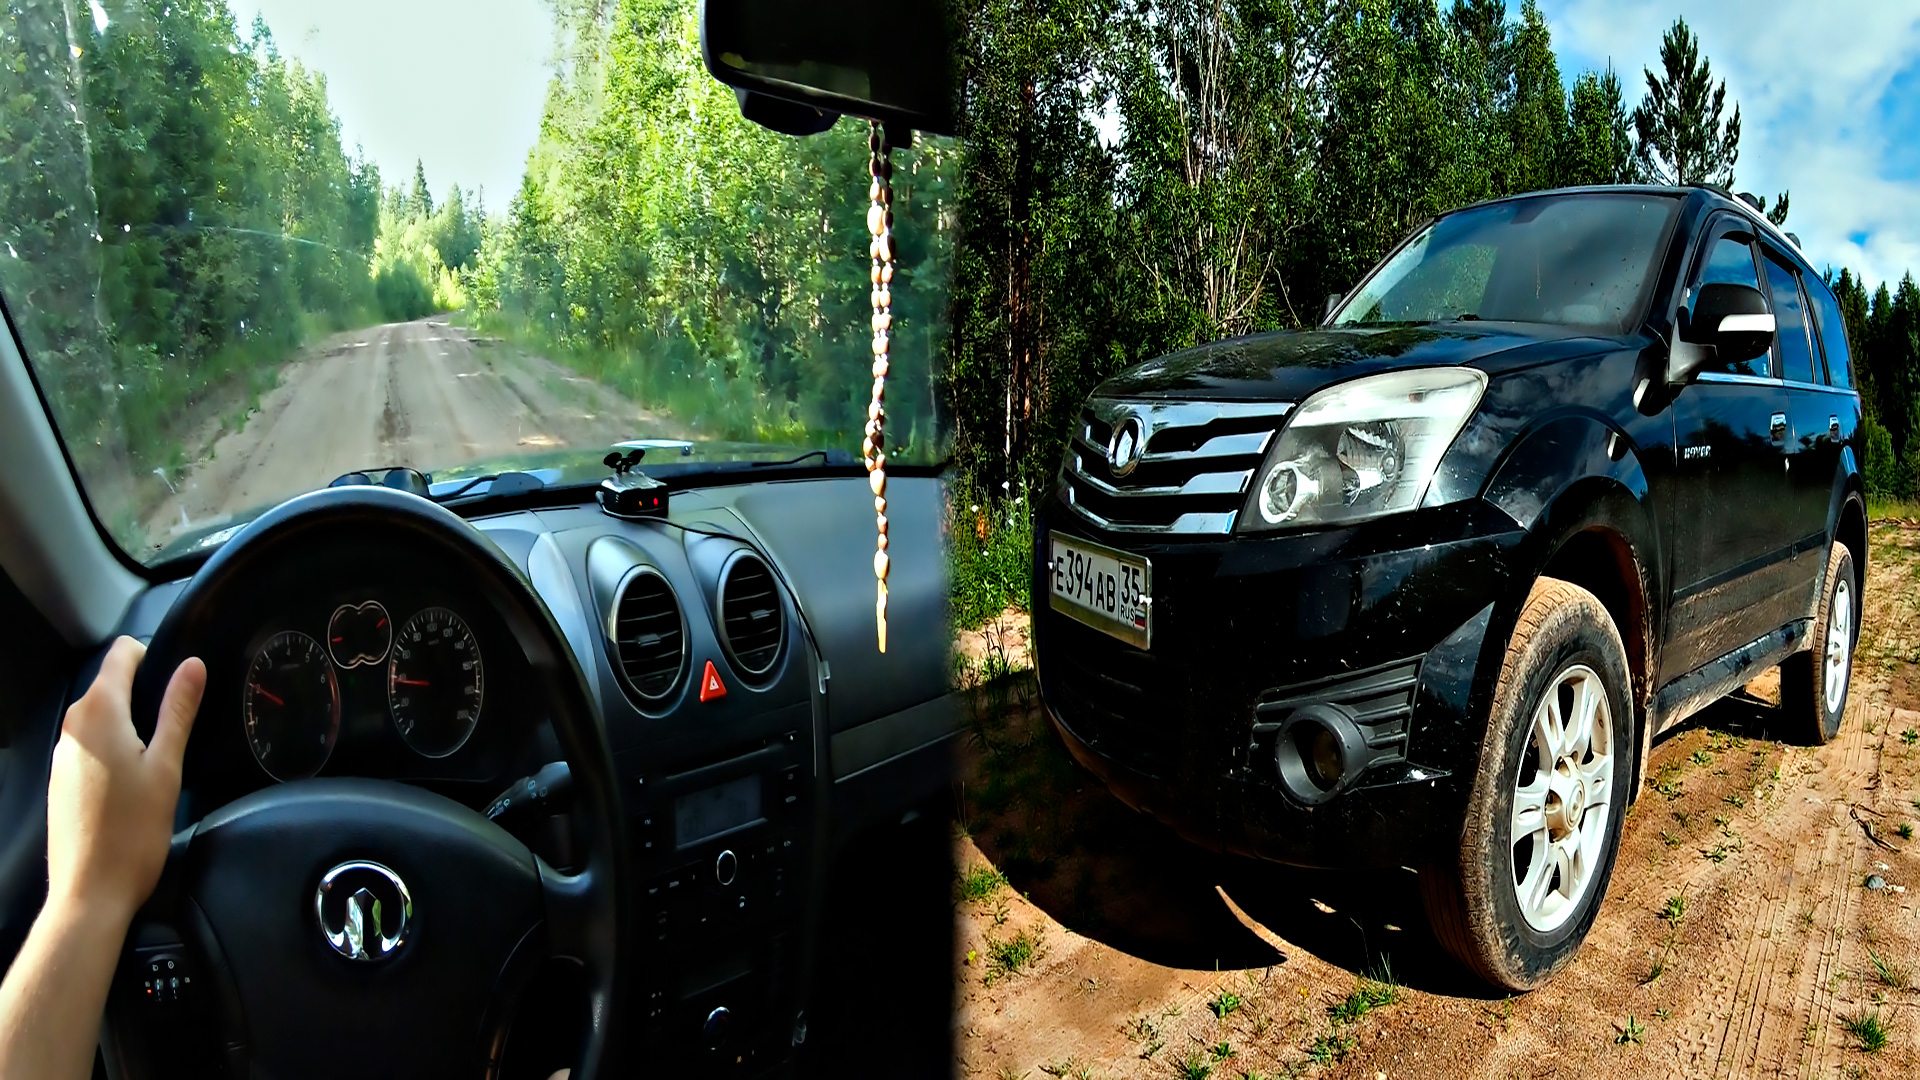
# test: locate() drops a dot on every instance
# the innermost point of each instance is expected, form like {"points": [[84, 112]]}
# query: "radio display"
{"points": [[703, 815]]}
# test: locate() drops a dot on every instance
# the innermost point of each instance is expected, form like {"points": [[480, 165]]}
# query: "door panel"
{"points": [[1732, 526], [36, 670], [1732, 553]]}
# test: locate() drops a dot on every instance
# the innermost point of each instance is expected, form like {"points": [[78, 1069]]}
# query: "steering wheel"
{"points": [[369, 927]]}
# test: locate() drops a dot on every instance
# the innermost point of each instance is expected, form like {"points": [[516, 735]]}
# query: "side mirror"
{"points": [[1729, 323], [799, 64], [1333, 301]]}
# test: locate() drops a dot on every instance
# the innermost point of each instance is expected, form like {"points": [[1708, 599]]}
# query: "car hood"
{"points": [[1290, 364]]}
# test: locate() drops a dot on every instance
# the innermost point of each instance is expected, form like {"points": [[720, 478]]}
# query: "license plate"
{"points": [[1108, 590]]}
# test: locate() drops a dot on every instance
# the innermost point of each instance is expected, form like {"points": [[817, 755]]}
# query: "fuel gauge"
{"points": [[359, 634]]}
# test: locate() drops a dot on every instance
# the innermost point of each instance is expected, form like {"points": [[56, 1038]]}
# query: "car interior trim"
{"points": [[53, 547]]}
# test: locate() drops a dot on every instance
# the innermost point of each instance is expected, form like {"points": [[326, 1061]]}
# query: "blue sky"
{"points": [[457, 84], [1829, 94], [1829, 97]]}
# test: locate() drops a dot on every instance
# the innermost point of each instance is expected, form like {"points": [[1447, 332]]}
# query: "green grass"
{"points": [[991, 555], [1882, 509], [1195, 1066], [1910, 736], [1675, 908], [1222, 1050], [1330, 1047], [1868, 1029], [1372, 993], [1904, 830], [981, 882], [1010, 956], [1631, 1033], [1224, 1005], [1889, 971]]}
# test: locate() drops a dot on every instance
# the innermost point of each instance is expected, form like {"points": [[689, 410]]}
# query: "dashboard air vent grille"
{"points": [[751, 622], [649, 635]]}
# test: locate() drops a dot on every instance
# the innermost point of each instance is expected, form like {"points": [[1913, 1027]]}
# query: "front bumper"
{"points": [[1391, 619]]}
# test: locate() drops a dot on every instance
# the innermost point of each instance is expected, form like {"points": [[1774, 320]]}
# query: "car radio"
{"points": [[722, 856]]}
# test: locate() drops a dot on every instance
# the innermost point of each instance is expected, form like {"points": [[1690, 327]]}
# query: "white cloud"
{"points": [[1810, 80]]}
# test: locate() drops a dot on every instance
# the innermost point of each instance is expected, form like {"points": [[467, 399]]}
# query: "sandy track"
{"points": [[426, 394], [1768, 843]]}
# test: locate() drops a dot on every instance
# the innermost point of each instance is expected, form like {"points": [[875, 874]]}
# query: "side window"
{"points": [[1730, 260], [1792, 345], [1832, 328]]}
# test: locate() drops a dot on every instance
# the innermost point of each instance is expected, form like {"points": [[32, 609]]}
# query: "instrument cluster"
{"points": [[364, 676]]}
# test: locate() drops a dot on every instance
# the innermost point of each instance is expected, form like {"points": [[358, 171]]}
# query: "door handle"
{"points": [[1779, 425], [1833, 427]]}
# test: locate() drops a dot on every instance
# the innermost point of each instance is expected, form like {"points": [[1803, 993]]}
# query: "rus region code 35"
{"points": [[1109, 590]]}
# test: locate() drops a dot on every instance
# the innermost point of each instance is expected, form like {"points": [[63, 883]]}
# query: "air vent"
{"points": [[649, 635], [751, 623]]}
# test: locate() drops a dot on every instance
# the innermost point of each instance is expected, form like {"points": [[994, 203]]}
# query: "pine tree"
{"points": [[420, 199], [1682, 139], [1536, 113], [1598, 147]]}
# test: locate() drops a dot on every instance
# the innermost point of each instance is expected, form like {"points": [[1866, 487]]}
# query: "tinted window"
{"points": [[1792, 343], [1579, 260], [1731, 261], [1832, 331]]}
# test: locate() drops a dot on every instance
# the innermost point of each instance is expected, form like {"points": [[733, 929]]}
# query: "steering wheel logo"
{"points": [[363, 909]]}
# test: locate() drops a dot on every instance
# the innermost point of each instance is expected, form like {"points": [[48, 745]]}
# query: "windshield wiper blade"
{"points": [[821, 454]]}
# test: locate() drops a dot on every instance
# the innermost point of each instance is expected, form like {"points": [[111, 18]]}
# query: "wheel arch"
{"points": [[1597, 532]]}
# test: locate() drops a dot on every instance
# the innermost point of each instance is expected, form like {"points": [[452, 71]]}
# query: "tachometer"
{"points": [[291, 706], [435, 682]]}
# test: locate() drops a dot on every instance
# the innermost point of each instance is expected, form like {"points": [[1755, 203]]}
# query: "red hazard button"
{"points": [[710, 685]]}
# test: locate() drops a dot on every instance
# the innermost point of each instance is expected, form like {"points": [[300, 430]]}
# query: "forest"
{"points": [[664, 245], [1131, 178]]}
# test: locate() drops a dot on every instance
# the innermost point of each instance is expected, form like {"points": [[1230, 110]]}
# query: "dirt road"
{"points": [[427, 394], [1739, 937]]}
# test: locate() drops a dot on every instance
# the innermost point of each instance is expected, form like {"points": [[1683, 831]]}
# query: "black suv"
{"points": [[1419, 586]]}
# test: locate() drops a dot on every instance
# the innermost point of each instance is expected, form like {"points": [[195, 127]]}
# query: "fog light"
{"points": [[1322, 751], [1318, 752]]}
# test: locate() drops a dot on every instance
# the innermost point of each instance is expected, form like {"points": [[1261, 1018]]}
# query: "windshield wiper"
{"points": [[821, 454]]}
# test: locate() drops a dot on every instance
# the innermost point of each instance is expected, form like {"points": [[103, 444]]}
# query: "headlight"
{"points": [[1362, 448]]}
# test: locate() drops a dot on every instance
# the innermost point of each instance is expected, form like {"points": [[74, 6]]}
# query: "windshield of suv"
{"points": [[246, 258], [1576, 260]]}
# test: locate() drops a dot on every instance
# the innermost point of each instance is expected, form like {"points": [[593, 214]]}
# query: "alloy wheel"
{"points": [[1839, 643], [1562, 798]]}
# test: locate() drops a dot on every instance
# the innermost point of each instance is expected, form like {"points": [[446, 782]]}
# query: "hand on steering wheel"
{"points": [[110, 798]]}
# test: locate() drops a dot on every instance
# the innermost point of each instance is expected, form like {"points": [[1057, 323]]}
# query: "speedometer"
{"points": [[435, 682], [291, 706]]}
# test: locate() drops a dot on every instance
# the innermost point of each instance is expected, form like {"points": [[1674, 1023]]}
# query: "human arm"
{"points": [[110, 807]]}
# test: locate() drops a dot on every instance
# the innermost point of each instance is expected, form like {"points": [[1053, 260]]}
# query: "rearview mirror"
{"points": [[1729, 323], [1333, 301], [799, 63]]}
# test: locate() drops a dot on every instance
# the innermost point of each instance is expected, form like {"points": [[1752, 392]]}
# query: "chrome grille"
{"points": [[1197, 461]]}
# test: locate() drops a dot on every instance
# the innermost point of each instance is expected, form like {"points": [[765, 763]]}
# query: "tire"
{"points": [[1814, 684], [1565, 658]]}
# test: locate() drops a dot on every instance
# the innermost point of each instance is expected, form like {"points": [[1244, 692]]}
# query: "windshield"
{"points": [[1575, 260], [244, 258]]}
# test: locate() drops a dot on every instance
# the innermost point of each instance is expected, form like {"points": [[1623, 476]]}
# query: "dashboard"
{"points": [[730, 652]]}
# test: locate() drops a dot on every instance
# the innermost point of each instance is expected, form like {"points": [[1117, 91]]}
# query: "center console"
{"points": [[724, 854]]}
